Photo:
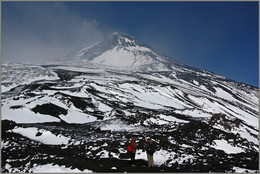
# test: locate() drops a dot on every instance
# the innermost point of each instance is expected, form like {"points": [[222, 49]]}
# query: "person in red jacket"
{"points": [[132, 150]]}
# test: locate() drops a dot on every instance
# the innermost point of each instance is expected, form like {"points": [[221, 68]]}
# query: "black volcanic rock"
{"points": [[49, 109], [7, 125]]}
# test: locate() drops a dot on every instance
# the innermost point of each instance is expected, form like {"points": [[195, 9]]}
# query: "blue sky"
{"points": [[221, 37]]}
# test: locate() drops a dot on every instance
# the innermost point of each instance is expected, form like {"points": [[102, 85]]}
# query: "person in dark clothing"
{"points": [[132, 149], [150, 149]]}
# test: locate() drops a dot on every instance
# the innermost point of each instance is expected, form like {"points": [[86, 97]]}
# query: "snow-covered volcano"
{"points": [[121, 51], [81, 113]]}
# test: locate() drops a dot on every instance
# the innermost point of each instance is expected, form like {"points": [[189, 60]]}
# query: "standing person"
{"points": [[132, 149], [150, 149]]}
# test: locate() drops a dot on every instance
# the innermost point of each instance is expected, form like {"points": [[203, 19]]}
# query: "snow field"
{"points": [[46, 137], [76, 116], [164, 157], [225, 146], [78, 69], [115, 57], [172, 119], [150, 97], [25, 115], [243, 170], [50, 168], [223, 94]]}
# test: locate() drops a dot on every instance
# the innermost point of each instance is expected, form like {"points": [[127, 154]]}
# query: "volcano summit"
{"points": [[122, 52]]}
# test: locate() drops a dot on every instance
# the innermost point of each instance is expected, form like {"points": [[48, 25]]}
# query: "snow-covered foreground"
{"points": [[55, 147]]}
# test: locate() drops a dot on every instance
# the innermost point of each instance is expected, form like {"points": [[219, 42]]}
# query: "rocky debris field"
{"points": [[187, 148]]}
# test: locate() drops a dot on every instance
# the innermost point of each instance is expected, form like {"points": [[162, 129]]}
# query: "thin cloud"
{"points": [[44, 31]]}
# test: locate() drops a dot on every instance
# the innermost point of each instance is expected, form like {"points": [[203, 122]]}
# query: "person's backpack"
{"points": [[151, 148], [129, 148]]}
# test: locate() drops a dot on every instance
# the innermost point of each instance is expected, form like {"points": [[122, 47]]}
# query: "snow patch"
{"points": [[45, 137], [226, 147], [50, 168], [76, 116], [118, 125]]}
